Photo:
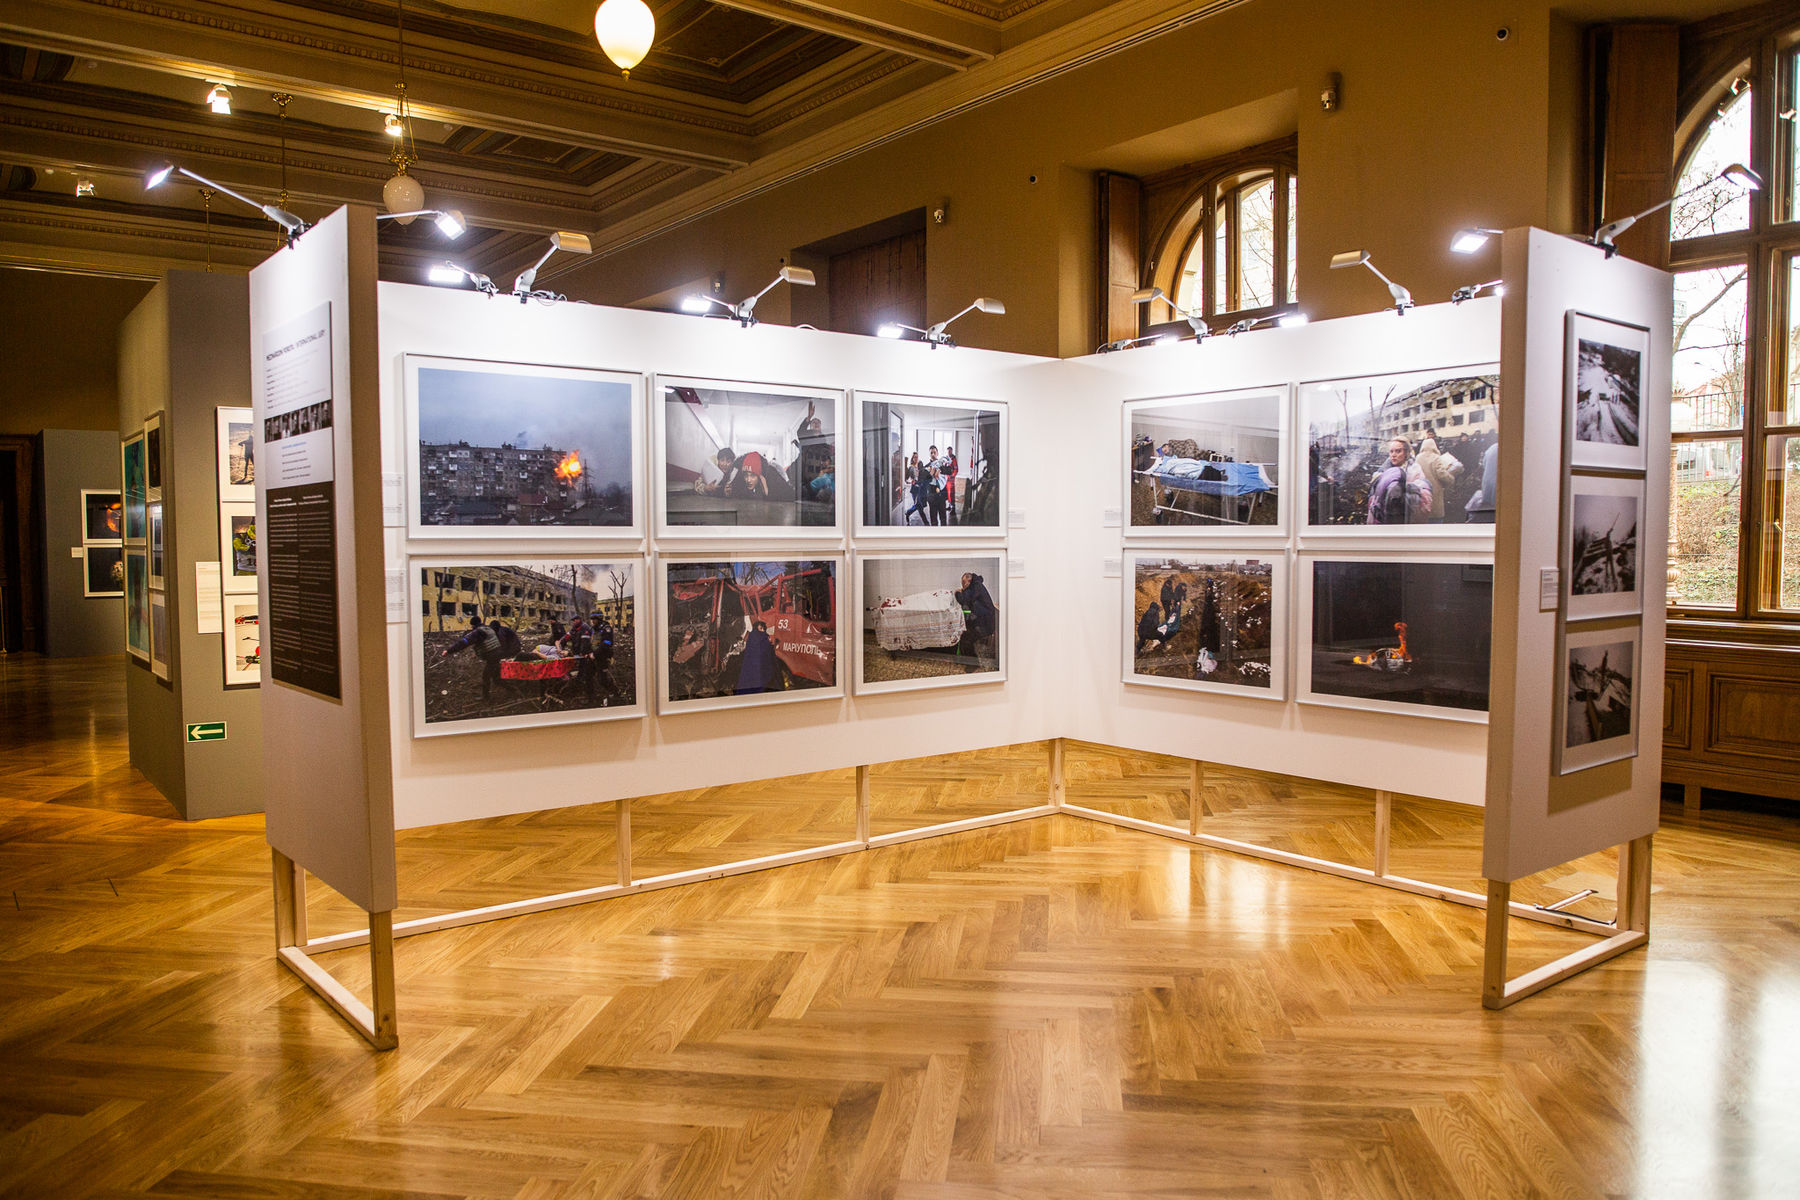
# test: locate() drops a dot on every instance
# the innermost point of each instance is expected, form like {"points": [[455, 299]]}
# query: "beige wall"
{"points": [[59, 339]]}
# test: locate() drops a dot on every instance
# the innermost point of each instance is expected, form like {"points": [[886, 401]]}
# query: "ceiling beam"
{"points": [[932, 33]]}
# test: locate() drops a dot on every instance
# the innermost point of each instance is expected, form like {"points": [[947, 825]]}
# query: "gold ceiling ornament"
{"points": [[206, 195], [625, 30], [401, 193], [282, 100]]}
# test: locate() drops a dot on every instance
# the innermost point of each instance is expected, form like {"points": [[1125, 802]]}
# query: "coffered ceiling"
{"points": [[520, 121]]}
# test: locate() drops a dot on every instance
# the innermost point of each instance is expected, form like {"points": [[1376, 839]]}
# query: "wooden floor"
{"points": [[1052, 1008]]}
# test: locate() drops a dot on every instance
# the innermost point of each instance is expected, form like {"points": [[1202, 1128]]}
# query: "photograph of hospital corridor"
{"points": [[928, 465], [928, 618], [1206, 462], [738, 457], [1206, 620]]}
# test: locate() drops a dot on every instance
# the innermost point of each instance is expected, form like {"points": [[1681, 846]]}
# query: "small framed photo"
{"points": [[137, 604], [154, 518], [131, 473], [1207, 622], [1600, 546], [1597, 702], [930, 620], [237, 547], [1212, 464], [236, 455], [757, 457], [153, 458], [159, 635], [102, 517], [736, 632], [1603, 387], [929, 468], [104, 573], [243, 641], [1406, 454], [518, 451]]}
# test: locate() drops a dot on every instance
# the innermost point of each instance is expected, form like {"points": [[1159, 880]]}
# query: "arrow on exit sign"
{"points": [[206, 731]]}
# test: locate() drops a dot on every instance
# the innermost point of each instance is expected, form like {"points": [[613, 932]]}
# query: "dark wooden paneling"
{"points": [[1754, 715], [1733, 716], [1678, 698], [1121, 261], [1637, 163], [882, 281]]}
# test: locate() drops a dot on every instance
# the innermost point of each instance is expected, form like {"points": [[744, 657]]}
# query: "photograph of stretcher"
{"points": [[1207, 622], [1211, 462], [749, 631], [931, 620], [930, 465], [746, 456], [503, 644]]}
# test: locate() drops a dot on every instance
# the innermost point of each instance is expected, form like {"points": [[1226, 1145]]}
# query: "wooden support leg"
{"points": [[1384, 822], [286, 932], [862, 805], [1056, 772], [1196, 793], [623, 815], [385, 1032], [1493, 969], [1634, 885]]}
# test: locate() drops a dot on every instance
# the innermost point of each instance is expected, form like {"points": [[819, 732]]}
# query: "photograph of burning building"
{"points": [[1210, 462], [737, 456], [749, 631], [1603, 390], [930, 464], [1400, 636], [1598, 703], [521, 449], [1206, 622], [929, 620], [1602, 554], [500, 644], [1410, 449]]}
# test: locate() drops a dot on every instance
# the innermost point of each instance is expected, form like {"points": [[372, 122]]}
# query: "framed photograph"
{"points": [[153, 458], [1207, 622], [104, 570], [1600, 546], [1407, 453], [736, 632], [154, 520], [137, 604], [512, 450], [502, 643], [930, 620], [236, 455], [929, 467], [243, 641], [237, 547], [159, 635], [1212, 463], [1401, 636], [1603, 384], [1597, 700], [102, 517], [746, 456], [131, 473]]}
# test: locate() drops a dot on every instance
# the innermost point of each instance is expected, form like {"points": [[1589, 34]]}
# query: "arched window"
{"points": [[1224, 246]]}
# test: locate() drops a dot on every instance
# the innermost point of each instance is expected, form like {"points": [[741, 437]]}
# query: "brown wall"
{"points": [[59, 339]]}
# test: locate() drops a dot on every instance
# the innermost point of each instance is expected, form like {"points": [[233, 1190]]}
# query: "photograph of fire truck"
{"points": [[751, 628]]}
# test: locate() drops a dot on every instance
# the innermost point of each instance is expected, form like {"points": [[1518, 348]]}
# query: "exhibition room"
{"points": [[943, 599]]}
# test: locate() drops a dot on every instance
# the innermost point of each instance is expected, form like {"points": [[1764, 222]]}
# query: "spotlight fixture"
{"points": [[525, 286], [1149, 339], [1468, 241], [448, 274], [219, 100], [744, 312], [292, 225], [392, 125], [935, 336], [1195, 321], [1360, 258], [1473, 290], [449, 221], [625, 29], [83, 187], [1737, 175], [1288, 320]]}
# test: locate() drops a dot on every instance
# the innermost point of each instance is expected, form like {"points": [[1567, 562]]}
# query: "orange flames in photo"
{"points": [[569, 469]]}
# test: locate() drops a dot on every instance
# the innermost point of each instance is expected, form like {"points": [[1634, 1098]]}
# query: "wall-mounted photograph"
{"points": [[1600, 559], [1206, 463], [159, 635], [503, 644], [131, 473], [748, 631], [516, 450], [237, 547], [154, 520], [1597, 703], [1397, 636], [104, 570], [747, 456], [1602, 390], [1207, 622], [153, 457], [930, 464], [137, 604], [243, 641], [931, 620], [102, 516], [236, 455], [1402, 452]]}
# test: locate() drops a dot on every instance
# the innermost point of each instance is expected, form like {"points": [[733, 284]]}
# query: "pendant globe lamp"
{"points": [[625, 29], [401, 193]]}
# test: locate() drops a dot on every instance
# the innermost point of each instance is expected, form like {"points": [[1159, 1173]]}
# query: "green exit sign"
{"points": [[207, 731]]}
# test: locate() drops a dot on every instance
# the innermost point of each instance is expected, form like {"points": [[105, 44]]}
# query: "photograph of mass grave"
{"points": [[930, 618], [1203, 620], [1608, 379], [523, 640], [529, 447], [1415, 633], [1418, 448], [751, 628], [1603, 542], [930, 466], [734, 456], [1206, 461]]}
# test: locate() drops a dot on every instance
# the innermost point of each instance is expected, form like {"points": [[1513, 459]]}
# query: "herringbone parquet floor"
{"points": [[1055, 1008]]}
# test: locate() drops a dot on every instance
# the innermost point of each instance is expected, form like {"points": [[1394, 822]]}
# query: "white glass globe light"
{"points": [[402, 194], [625, 29]]}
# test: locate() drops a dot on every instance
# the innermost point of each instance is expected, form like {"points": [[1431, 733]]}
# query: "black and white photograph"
{"points": [[1418, 450], [521, 451], [243, 641], [1398, 636], [1601, 558], [102, 517], [1601, 392], [503, 644], [1207, 622], [748, 631], [1206, 463], [236, 455], [930, 465], [1597, 705], [104, 570], [931, 620], [747, 456], [237, 547]]}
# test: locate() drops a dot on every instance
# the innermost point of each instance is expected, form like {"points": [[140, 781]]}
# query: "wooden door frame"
{"points": [[27, 486]]}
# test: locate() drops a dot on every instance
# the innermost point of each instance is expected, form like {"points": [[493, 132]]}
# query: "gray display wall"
{"points": [[75, 624]]}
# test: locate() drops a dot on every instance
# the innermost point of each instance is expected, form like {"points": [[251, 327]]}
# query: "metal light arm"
{"points": [[1195, 322], [281, 216], [1736, 174], [1473, 290]]}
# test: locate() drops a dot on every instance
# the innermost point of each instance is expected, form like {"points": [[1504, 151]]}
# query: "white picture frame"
{"points": [[905, 568], [155, 457], [108, 498], [98, 562], [231, 425], [137, 602], [1227, 422], [1602, 515], [668, 668], [231, 578], [1174, 562], [864, 464], [620, 394], [241, 623], [699, 440], [424, 725], [1589, 692], [160, 633], [1604, 371], [153, 523]]}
